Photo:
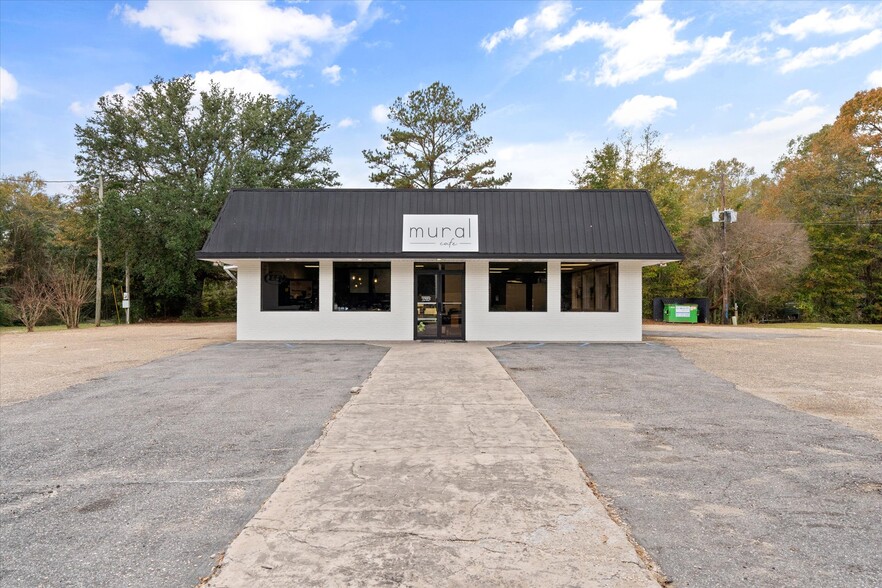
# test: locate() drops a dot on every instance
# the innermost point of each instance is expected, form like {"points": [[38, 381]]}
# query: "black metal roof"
{"points": [[368, 223]]}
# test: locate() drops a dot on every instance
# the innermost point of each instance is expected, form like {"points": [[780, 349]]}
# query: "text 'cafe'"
{"points": [[480, 265]]}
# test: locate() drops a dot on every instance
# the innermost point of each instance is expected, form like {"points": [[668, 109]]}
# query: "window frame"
{"points": [[265, 269], [613, 285], [519, 274], [370, 267]]}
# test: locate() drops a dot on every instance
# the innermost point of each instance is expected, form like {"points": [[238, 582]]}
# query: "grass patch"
{"points": [[816, 326], [207, 319], [20, 329]]}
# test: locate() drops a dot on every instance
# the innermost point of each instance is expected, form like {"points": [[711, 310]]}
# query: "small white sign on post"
{"points": [[440, 232]]}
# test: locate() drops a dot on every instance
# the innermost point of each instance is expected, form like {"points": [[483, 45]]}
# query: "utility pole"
{"points": [[99, 271], [128, 299], [725, 216], [725, 220]]}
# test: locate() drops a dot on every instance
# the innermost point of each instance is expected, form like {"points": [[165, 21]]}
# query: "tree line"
{"points": [[808, 234]]}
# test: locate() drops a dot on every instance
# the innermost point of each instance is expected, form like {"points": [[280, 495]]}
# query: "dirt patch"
{"points": [[34, 364], [831, 373]]}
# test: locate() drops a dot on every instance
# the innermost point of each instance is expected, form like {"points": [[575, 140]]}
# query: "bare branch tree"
{"points": [[70, 288], [30, 299], [763, 256]]}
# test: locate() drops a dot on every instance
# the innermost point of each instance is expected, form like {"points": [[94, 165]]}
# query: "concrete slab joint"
{"points": [[439, 472]]}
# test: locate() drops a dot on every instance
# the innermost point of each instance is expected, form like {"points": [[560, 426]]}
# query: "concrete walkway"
{"points": [[440, 472]]}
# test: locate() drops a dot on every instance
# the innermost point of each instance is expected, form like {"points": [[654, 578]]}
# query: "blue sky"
{"points": [[716, 79]]}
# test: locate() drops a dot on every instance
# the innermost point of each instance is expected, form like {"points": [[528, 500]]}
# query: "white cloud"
{"points": [[641, 110], [874, 78], [243, 81], [280, 35], [806, 118], [125, 90], [759, 146], [800, 97], [783, 53], [847, 19], [549, 17], [332, 74], [645, 46], [711, 49], [380, 113], [577, 75], [542, 164], [832, 53], [347, 122], [363, 6], [8, 86]]}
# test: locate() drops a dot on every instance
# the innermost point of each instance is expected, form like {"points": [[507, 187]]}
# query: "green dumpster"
{"points": [[680, 313]]}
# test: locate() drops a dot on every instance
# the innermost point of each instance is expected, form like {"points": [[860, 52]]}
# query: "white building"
{"points": [[482, 265]]}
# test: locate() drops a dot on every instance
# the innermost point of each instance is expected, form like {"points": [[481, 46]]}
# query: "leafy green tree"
{"points": [[29, 223], [169, 156], [37, 236], [432, 144], [705, 188], [603, 169], [831, 181], [643, 164]]}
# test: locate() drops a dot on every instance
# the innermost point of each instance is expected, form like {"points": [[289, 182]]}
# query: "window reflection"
{"points": [[518, 287], [288, 285], [362, 286], [589, 287]]}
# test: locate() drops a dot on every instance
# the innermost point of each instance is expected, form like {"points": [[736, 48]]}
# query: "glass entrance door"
{"points": [[452, 306], [427, 306], [440, 301]]}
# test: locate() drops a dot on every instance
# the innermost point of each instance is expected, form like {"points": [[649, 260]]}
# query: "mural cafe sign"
{"points": [[440, 232]]}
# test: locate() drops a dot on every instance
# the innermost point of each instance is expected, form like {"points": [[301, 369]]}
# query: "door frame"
{"points": [[439, 295]]}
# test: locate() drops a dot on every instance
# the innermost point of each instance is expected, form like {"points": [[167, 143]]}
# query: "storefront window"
{"points": [[361, 286], [589, 287], [518, 287], [287, 285]]}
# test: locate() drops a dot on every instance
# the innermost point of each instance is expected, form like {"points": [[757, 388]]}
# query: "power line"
{"points": [[870, 221], [22, 178]]}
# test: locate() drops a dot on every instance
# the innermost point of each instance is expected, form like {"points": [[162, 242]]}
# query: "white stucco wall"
{"points": [[481, 324], [553, 325], [252, 324]]}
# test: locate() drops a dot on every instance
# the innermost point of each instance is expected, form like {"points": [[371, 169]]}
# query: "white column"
{"points": [[553, 286], [326, 286]]}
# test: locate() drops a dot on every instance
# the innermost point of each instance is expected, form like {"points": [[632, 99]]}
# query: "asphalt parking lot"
{"points": [[143, 477], [721, 487]]}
